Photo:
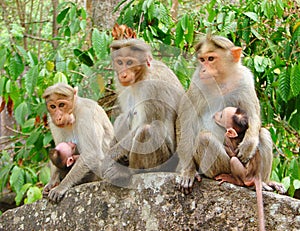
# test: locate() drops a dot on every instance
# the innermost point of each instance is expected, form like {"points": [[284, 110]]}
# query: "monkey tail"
{"points": [[260, 204]]}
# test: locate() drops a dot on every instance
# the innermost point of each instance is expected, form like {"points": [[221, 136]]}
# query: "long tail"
{"points": [[260, 204]]}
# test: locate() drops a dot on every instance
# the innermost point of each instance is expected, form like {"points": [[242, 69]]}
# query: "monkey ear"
{"points": [[148, 60], [75, 91], [70, 161], [231, 133], [236, 53]]}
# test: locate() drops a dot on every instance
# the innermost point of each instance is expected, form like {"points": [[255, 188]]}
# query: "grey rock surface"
{"points": [[153, 203]]}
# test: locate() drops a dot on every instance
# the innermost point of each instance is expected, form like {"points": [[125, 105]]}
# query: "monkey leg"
{"points": [[150, 147], [210, 155], [238, 173]]}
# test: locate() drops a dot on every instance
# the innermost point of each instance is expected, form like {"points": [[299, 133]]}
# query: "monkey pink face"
{"points": [[128, 70], [224, 117], [209, 65], [60, 109]]}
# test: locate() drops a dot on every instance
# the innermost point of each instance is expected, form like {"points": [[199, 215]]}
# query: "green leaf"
{"points": [[33, 137], [29, 123], [15, 66], [17, 179], [33, 59], [286, 181], [20, 194], [83, 57], [21, 112], [179, 35], [256, 34], [60, 78], [4, 174], [296, 184], [100, 44], [2, 58], [295, 79], [61, 16], [33, 194], [44, 175], [31, 78], [252, 15], [284, 86], [47, 138], [2, 85]]}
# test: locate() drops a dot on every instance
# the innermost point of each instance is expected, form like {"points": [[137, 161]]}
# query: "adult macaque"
{"points": [[219, 81], [235, 121], [148, 94], [81, 121]]}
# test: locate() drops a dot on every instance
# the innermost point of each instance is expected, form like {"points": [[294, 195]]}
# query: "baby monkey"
{"points": [[235, 121], [64, 155]]}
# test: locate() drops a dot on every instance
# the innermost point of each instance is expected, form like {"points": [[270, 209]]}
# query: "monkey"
{"points": [[63, 156], [235, 121], [81, 121], [219, 81], [148, 95]]}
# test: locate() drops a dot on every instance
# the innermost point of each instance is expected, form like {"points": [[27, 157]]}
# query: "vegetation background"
{"points": [[44, 42]]}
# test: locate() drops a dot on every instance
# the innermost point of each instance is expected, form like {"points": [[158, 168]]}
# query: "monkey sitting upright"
{"points": [[235, 121]]}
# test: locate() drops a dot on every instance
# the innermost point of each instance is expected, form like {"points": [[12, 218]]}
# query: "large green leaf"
{"points": [[15, 66], [21, 113], [44, 175], [2, 57], [284, 86], [17, 178], [21, 193], [252, 15], [295, 79], [33, 194], [31, 78], [61, 16], [100, 44]]}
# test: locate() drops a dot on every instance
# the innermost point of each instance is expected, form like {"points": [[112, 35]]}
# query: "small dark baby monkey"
{"points": [[235, 121], [64, 155]]}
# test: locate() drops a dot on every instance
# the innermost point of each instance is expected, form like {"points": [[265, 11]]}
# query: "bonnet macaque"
{"points": [[148, 95], [220, 81], [81, 121]]}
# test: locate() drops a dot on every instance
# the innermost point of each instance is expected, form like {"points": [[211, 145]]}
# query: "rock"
{"points": [[153, 203]]}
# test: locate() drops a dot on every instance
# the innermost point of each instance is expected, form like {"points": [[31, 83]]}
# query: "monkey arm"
{"points": [[250, 142], [54, 180], [74, 177]]}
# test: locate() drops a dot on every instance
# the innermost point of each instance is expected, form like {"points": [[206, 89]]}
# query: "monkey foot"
{"points": [[228, 178], [272, 185]]}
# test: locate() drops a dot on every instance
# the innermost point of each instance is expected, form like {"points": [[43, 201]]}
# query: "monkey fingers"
{"points": [[187, 181], [278, 187], [57, 193]]}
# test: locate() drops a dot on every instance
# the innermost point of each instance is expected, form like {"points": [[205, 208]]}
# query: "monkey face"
{"points": [[60, 109], [224, 117], [128, 69]]}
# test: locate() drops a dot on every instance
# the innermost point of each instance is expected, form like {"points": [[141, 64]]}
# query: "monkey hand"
{"points": [[57, 193], [48, 187], [247, 148], [186, 181]]}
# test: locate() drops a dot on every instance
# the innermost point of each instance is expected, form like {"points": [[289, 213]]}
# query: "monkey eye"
{"points": [[211, 58], [61, 105], [52, 106], [119, 62], [129, 62], [201, 60]]}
